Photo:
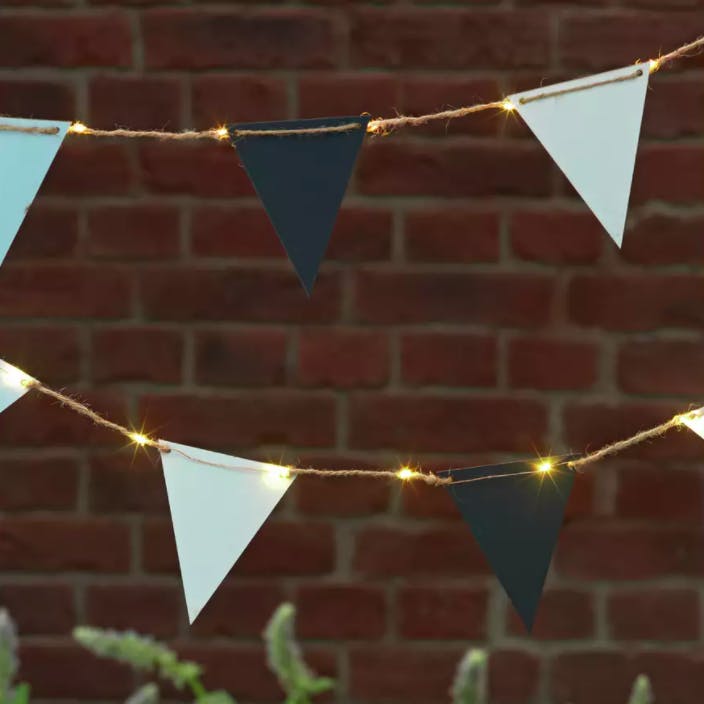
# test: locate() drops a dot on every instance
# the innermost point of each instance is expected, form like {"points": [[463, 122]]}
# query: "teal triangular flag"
{"points": [[13, 384], [515, 516], [301, 180], [218, 504], [25, 157]]}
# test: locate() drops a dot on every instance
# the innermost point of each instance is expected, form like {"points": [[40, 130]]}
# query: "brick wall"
{"points": [[470, 310]]}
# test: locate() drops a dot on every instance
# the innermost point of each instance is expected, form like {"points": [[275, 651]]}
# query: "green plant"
{"points": [[642, 692], [9, 663], [470, 685]]}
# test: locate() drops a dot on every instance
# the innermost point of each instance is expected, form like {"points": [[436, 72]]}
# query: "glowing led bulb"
{"points": [[507, 105], [222, 133], [78, 128], [654, 65], [544, 466], [405, 473], [14, 377], [276, 476], [139, 439]]}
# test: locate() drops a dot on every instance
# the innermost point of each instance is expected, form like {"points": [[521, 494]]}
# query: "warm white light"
{"points": [[544, 466], [222, 132], [405, 473], [276, 476], [14, 377], [654, 65], [507, 105], [78, 128], [139, 439]]}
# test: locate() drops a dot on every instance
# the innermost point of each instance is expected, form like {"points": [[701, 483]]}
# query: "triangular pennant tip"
{"points": [[301, 180], [216, 511], [590, 127], [516, 519], [13, 384], [25, 157]]}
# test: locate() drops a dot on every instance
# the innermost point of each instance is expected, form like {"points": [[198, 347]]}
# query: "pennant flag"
{"points": [[694, 420], [13, 384], [515, 517], [25, 157], [590, 127], [216, 511], [301, 180]]}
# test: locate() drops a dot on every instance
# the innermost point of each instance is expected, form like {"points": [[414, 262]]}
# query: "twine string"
{"points": [[430, 479], [377, 126]]}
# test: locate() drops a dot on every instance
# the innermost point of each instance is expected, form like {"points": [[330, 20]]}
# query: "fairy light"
{"points": [[140, 439], [507, 105], [15, 377], [544, 466], [405, 473], [276, 476], [654, 65], [221, 132], [78, 128]]}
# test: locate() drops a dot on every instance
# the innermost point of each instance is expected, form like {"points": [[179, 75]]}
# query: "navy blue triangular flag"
{"points": [[516, 517], [301, 180]]}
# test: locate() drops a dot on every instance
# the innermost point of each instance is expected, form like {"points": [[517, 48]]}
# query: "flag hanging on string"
{"points": [[25, 157], [590, 127], [301, 180], [13, 384], [515, 517], [216, 511]]}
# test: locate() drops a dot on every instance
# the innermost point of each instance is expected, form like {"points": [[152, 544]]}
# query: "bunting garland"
{"points": [[219, 502], [300, 170]]}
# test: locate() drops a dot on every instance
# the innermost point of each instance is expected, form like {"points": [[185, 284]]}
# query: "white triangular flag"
{"points": [[694, 420], [590, 127], [216, 512], [25, 157], [13, 384]]}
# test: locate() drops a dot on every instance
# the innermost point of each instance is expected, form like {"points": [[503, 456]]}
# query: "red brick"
{"points": [[347, 94], [442, 613], [140, 103], [133, 232], [593, 552], [273, 418], [513, 676], [40, 609], [343, 358], [660, 120], [671, 614], [279, 549], [126, 481], [67, 671], [340, 611], [44, 100], [137, 354], [556, 237], [48, 352], [552, 363], [563, 614], [634, 303], [394, 675], [69, 40], [47, 232], [191, 293], [74, 291], [494, 299], [684, 166], [237, 610], [452, 236], [193, 39], [428, 552], [446, 359], [603, 40], [242, 358], [51, 544], [423, 501], [88, 167], [661, 238], [38, 484], [409, 39], [209, 169], [662, 367], [659, 493], [593, 426], [146, 608], [431, 424], [218, 100], [477, 169]]}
